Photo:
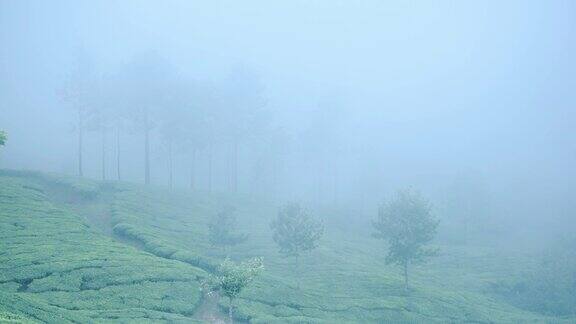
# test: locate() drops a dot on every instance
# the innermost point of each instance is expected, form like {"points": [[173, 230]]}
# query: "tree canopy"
{"points": [[222, 229], [406, 222], [231, 278], [295, 231]]}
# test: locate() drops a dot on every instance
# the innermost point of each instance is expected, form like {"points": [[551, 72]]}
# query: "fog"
{"points": [[331, 102], [302, 161]]}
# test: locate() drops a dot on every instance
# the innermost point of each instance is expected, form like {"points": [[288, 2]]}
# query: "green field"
{"points": [[85, 251]]}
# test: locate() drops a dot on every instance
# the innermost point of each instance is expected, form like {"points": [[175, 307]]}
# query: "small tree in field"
{"points": [[2, 138], [407, 224], [231, 278], [222, 229], [296, 232]]}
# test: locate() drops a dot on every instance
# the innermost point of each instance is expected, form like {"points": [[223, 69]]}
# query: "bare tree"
{"points": [[240, 104], [147, 83], [75, 93]]}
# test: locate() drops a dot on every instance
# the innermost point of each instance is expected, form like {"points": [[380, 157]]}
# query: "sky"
{"points": [[406, 93]]}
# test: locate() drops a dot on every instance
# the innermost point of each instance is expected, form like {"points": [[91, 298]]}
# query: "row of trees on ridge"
{"points": [[148, 94]]}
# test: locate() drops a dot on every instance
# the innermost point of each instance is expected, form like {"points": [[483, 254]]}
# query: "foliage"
{"points": [[231, 278], [407, 224], [3, 138], [295, 231], [222, 229]]}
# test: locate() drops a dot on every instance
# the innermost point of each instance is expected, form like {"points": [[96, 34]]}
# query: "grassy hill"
{"points": [[85, 251], [55, 268]]}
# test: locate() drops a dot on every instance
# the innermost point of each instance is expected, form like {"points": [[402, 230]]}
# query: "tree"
{"points": [[296, 232], [407, 224], [181, 122], [172, 133], [230, 279], [272, 149], [107, 113], [197, 131], [3, 138], [147, 83], [100, 118], [76, 94], [222, 229], [240, 103], [196, 139], [322, 142]]}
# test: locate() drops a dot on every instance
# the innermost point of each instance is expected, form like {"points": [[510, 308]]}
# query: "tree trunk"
{"points": [[230, 317], [103, 154], [147, 156], [406, 276], [118, 153], [210, 169], [171, 164], [228, 174], [320, 186], [296, 264], [467, 219], [335, 188], [80, 131], [192, 167], [235, 167]]}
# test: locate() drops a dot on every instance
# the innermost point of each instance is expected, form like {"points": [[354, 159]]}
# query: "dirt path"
{"points": [[209, 312], [96, 211]]}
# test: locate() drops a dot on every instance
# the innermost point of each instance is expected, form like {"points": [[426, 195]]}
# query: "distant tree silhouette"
{"points": [[222, 230], [407, 224], [296, 232]]}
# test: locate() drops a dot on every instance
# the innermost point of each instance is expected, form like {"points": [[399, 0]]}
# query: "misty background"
{"points": [[354, 99]]}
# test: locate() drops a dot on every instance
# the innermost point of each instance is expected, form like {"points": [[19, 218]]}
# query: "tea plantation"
{"points": [[80, 251], [55, 268]]}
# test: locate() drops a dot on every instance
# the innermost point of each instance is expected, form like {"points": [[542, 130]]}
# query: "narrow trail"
{"points": [[96, 211], [209, 312]]}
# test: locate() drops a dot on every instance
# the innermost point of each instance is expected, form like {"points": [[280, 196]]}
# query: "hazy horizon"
{"points": [[361, 98]]}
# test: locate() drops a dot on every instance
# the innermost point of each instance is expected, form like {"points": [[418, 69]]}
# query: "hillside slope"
{"points": [[55, 268], [84, 251]]}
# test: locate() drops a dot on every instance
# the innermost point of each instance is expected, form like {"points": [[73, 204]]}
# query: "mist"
{"points": [[336, 104]]}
